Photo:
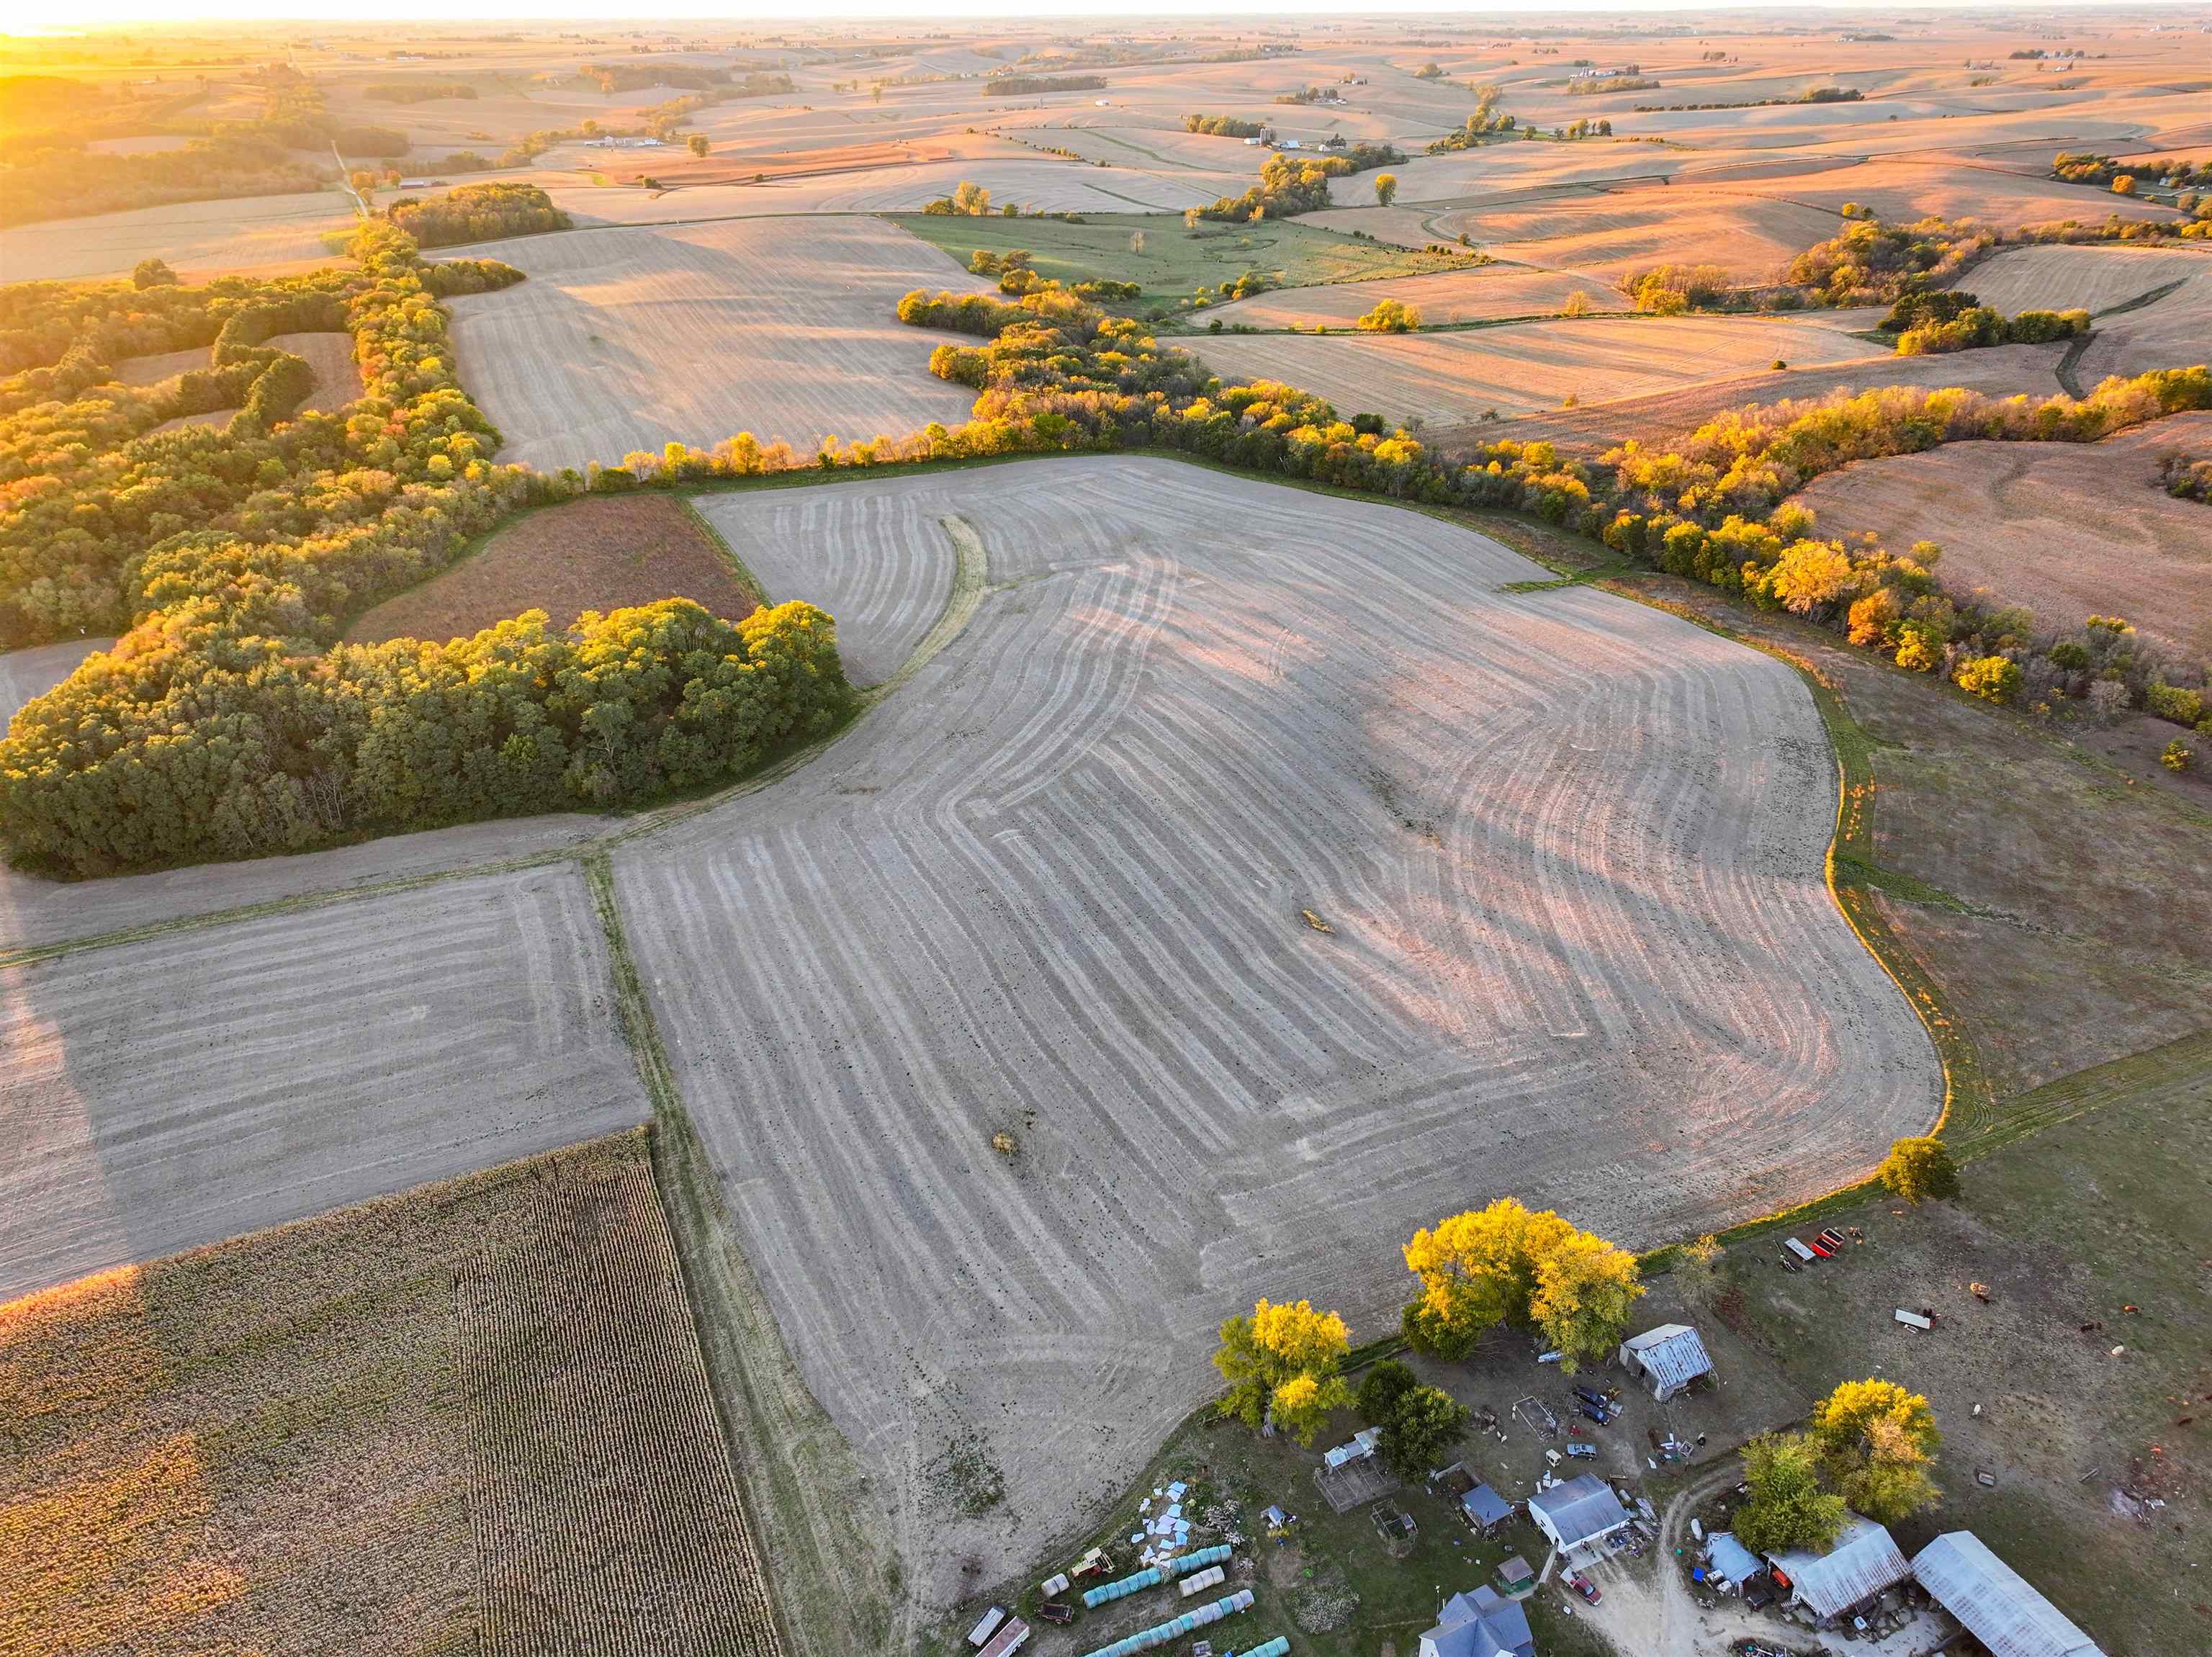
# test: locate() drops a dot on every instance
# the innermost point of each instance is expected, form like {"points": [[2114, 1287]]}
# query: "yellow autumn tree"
{"points": [[1876, 1444], [1584, 1288], [1509, 1263], [1282, 1363]]}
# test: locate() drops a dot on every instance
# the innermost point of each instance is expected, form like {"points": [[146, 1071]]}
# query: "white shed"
{"points": [[1582, 1510], [1864, 1562]]}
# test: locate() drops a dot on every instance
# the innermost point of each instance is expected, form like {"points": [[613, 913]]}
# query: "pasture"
{"points": [[2069, 530], [1448, 379], [1055, 889], [471, 1417], [154, 1089], [628, 339], [602, 553]]}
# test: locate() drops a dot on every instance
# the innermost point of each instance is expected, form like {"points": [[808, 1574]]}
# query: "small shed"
{"points": [[1729, 1561], [1578, 1513], [1864, 1562], [1485, 1510], [1996, 1603], [1515, 1575], [1670, 1357]]}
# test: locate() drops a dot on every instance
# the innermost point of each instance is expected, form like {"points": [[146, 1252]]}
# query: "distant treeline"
{"points": [[636, 77], [1024, 85], [2171, 172], [1222, 127], [415, 92], [1610, 84], [1291, 184], [1819, 94], [477, 212]]}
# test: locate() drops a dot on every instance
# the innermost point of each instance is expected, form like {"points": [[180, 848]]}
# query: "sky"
{"points": [[32, 16]]}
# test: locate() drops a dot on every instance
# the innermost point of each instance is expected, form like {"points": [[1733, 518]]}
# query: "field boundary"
{"points": [[720, 543], [801, 1483]]}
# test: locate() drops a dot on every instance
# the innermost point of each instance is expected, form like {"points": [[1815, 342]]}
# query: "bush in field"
{"points": [[1386, 188], [1919, 1168], [1994, 679], [2178, 757], [1391, 316], [1281, 1366], [1671, 289]]}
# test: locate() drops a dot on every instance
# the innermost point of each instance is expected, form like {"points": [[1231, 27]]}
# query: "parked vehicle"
{"points": [[1834, 1239], [1591, 1395], [1595, 1413], [1798, 1249], [1054, 1610], [1585, 1450], [1583, 1586]]}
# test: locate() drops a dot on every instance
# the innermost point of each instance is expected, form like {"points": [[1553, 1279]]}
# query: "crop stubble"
{"points": [[193, 1085], [628, 338], [1572, 852]]}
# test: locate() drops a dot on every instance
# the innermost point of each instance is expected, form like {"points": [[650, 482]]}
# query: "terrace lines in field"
{"points": [[874, 564], [203, 1083], [627, 339], [1571, 850]]}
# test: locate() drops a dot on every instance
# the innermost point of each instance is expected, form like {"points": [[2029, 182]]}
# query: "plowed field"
{"points": [[1569, 851], [1492, 290]]}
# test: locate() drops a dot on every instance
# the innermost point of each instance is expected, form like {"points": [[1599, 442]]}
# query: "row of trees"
{"points": [[477, 212], [1223, 126], [1487, 120], [226, 721], [1929, 322], [1291, 184]]}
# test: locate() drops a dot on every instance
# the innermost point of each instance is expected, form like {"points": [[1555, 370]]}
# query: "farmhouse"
{"points": [[1670, 1357], [1864, 1562], [1581, 1511], [1480, 1624], [1995, 1602]]}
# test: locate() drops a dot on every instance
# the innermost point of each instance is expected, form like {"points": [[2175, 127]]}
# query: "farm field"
{"points": [[1448, 379], [2069, 530], [2055, 278], [2169, 332], [1658, 417], [1055, 889], [1612, 234], [32, 673], [1488, 292], [471, 1417], [154, 1088], [338, 376], [883, 570], [1177, 259], [599, 554], [267, 235], [600, 352]]}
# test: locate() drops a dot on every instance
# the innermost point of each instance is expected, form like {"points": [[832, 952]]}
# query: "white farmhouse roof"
{"points": [[1996, 1603], [1583, 1507], [1864, 1561], [1671, 1355]]}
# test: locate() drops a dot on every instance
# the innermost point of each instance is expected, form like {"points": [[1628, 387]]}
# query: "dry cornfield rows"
{"points": [[190, 1087], [1477, 295], [340, 1435], [627, 339], [2057, 278], [1570, 849], [605, 1513]]}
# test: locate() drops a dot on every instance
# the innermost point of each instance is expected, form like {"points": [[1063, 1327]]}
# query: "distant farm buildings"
{"points": [[612, 142]]}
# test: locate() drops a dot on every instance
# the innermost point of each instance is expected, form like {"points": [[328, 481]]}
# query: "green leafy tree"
{"points": [[1787, 1508], [1422, 1423], [1381, 1388], [697, 145], [1919, 1167], [1282, 1363], [1876, 1444]]}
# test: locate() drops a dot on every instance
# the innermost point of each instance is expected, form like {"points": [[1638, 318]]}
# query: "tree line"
{"points": [[477, 212], [1291, 184], [228, 722]]}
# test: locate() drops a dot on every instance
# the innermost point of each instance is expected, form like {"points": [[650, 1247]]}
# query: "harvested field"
{"points": [[1571, 851], [193, 1085], [2055, 278], [1403, 227], [261, 1445], [209, 417], [1612, 234], [1477, 295], [2171, 332], [1450, 378], [882, 571], [602, 553], [167, 365], [32, 673], [338, 376], [2069, 530], [1659, 417], [628, 339], [266, 235]]}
